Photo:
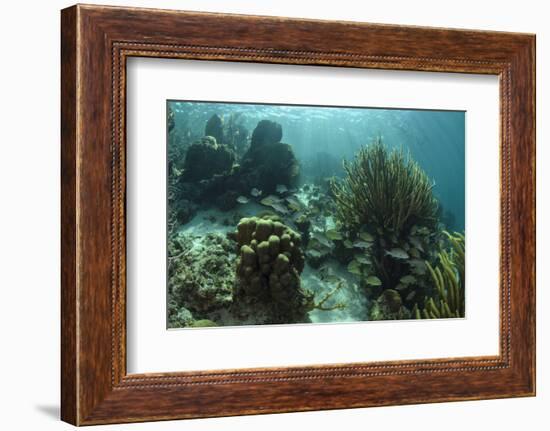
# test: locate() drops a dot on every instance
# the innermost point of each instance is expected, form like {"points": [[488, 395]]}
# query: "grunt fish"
{"points": [[397, 253], [362, 244], [410, 295], [407, 279], [415, 242], [354, 267], [279, 208], [363, 259], [270, 200], [373, 280], [281, 188], [334, 235], [321, 239], [365, 236]]}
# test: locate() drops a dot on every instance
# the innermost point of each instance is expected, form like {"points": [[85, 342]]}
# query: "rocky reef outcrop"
{"points": [[268, 272], [206, 158], [212, 173], [214, 128], [268, 162], [266, 132]]}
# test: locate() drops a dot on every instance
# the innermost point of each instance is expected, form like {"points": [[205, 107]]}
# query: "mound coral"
{"points": [[448, 276], [269, 266]]}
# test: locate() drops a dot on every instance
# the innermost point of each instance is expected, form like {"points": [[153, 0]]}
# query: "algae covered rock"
{"points": [[203, 323], [269, 162], [266, 132], [201, 274], [179, 317], [389, 306], [268, 270], [184, 210], [206, 158], [171, 120], [214, 128]]}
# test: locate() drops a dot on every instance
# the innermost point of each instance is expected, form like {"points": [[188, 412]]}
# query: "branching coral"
{"points": [[320, 305], [448, 278], [386, 189], [387, 198]]}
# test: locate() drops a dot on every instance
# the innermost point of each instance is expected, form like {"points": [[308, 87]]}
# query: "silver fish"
{"points": [[407, 279], [354, 267], [373, 280], [418, 266], [363, 259], [333, 234], [362, 244], [365, 236], [313, 253], [281, 188], [398, 253], [270, 200], [323, 240], [293, 203], [255, 192], [242, 200], [279, 207], [416, 243]]}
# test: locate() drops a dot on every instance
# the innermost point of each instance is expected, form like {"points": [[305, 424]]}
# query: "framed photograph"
{"points": [[264, 214]]}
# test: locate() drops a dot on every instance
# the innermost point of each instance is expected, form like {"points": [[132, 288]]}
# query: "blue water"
{"points": [[435, 139]]}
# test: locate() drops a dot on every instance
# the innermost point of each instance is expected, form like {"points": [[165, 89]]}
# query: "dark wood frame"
{"points": [[96, 41]]}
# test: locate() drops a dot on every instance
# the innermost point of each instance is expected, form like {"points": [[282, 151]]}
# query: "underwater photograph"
{"points": [[297, 214]]}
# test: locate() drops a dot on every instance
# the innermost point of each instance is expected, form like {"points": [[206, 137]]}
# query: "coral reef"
{"points": [[448, 276], [206, 158], [201, 275], [257, 237], [269, 266]]}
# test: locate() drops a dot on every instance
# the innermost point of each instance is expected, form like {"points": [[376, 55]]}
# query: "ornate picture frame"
{"points": [[96, 42]]}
